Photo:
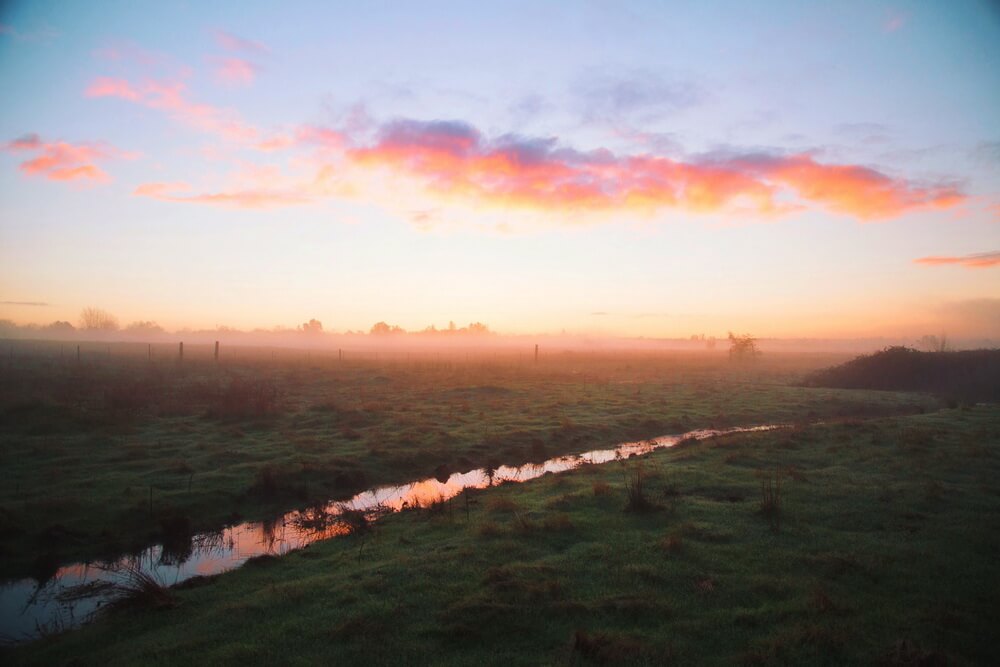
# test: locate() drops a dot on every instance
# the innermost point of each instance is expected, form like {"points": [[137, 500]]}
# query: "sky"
{"points": [[632, 169]]}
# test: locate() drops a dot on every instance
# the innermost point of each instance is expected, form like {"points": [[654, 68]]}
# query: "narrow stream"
{"points": [[29, 609]]}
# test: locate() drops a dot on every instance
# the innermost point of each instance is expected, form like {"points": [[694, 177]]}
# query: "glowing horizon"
{"points": [[649, 170]]}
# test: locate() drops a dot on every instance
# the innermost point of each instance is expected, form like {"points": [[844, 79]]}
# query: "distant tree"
{"points": [[144, 327], [95, 319], [934, 344], [381, 329], [710, 342], [742, 348], [478, 328], [60, 327], [312, 327]]}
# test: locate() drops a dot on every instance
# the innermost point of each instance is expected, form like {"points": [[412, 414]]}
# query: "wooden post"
{"points": [[77, 354], [216, 351], [180, 352], [340, 354], [536, 353]]}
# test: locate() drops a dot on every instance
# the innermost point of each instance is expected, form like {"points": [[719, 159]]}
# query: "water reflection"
{"points": [[28, 608]]}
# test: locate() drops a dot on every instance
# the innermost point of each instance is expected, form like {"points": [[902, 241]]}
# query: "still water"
{"points": [[28, 608]]}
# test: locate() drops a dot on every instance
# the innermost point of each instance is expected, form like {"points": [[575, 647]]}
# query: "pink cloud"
{"points": [[231, 42], [107, 87], [63, 161], [452, 157], [248, 198], [171, 97], [982, 260], [235, 71]]}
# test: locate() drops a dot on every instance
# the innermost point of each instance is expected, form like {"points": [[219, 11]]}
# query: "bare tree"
{"points": [[934, 343], [95, 319]]}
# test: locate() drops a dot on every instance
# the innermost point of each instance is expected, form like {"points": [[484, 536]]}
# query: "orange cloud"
{"points": [[235, 71], [452, 157], [250, 198], [454, 160], [858, 191], [983, 260], [63, 161]]}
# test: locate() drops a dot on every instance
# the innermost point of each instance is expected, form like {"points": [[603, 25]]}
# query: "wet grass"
{"points": [[113, 453], [885, 555]]}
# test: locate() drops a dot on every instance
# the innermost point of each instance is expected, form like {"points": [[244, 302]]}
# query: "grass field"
{"points": [[104, 455], [857, 542]]}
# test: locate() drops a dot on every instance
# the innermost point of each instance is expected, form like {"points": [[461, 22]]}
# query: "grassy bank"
{"points": [[106, 455], [851, 543]]}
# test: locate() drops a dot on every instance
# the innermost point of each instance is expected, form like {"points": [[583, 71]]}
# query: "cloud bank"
{"points": [[982, 260]]}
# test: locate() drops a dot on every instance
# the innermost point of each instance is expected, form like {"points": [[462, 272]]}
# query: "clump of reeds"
{"points": [[636, 499], [770, 498], [136, 589]]}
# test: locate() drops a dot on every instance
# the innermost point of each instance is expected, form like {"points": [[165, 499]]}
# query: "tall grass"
{"points": [[635, 491], [137, 589], [770, 498]]}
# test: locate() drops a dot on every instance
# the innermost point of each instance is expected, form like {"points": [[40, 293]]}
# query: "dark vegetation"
{"points": [[129, 445], [967, 376], [885, 556]]}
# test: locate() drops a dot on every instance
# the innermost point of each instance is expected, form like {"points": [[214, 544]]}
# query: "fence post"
{"points": [[536, 353], [180, 351], [216, 351]]}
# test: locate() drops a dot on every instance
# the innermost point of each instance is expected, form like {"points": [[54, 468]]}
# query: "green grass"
{"points": [[885, 554], [84, 446]]}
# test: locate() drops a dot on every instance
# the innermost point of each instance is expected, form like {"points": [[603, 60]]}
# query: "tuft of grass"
{"points": [[355, 522], [607, 648], [601, 489], [558, 523], [502, 504], [137, 589], [635, 491], [489, 529], [672, 544], [770, 498]]}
